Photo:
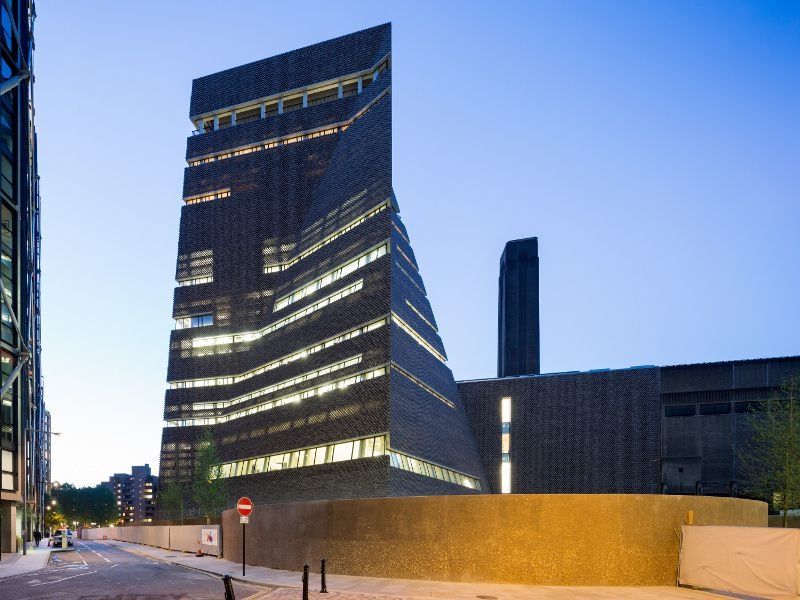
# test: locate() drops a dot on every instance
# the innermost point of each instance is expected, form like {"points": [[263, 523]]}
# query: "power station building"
{"points": [[304, 339]]}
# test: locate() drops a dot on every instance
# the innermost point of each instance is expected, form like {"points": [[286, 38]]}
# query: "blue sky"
{"points": [[654, 149]]}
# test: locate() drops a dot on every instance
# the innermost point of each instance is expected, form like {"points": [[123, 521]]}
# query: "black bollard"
{"points": [[305, 581], [324, 588], [226, 579]]}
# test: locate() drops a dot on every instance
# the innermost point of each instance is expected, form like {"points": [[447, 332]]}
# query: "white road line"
{"points": [[96, 552], [64, 578]]}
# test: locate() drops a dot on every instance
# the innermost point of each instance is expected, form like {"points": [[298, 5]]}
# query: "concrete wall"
{"points": [[534, 539], [173, 537]]}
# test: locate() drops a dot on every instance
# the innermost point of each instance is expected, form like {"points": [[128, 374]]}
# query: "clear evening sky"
{"points": [[654, 149]]}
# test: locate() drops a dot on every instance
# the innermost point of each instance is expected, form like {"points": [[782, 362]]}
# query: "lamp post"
{"points": [[25, 508]]}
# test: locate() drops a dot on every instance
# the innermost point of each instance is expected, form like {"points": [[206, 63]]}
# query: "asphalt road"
{"points": [[99, 571]]}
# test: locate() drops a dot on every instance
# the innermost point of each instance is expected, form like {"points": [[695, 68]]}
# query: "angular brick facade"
{"points": [[278, 209]]}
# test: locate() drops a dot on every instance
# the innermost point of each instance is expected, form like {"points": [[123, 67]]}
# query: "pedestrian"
{"points": [[37, 537]]}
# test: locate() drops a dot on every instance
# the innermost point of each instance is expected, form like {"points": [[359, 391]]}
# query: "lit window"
{"points": [[505, 478], [505, 445], [298, 355], [303, 312], [194, 321], [338, 384], [342, 451], [417, 337], [505, 410], [332, 276], [275, 268]]}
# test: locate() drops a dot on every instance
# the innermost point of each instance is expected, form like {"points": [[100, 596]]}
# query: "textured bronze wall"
{"points": [[535, 539]]}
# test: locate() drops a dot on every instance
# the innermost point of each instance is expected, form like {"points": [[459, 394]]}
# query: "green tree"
{"points": [[771, 460], [170, 501], [101, 505], [87, 504], [53, 519], [208, 489]]}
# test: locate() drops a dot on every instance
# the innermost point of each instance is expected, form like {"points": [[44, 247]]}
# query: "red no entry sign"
{"points": [[244, 506]]}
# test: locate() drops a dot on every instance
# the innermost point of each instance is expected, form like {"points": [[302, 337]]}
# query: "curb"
{"points": [[211, 573], [42, 568]]}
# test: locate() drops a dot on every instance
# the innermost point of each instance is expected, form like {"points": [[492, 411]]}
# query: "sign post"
{"points": [[245, 507]]}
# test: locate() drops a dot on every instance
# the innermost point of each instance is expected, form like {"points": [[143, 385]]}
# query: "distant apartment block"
{"points": [[135, 493]]}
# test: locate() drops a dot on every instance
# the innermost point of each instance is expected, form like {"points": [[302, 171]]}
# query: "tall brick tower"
{"points": [[304, 339]]}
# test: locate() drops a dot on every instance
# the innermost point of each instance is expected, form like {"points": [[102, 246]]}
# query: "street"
{"points": [[96, 571]]}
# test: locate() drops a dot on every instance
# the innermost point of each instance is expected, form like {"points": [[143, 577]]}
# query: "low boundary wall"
{"points": [[564, 539], [172, 537]]}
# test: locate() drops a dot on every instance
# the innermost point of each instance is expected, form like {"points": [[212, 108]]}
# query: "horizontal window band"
{"points": [[410, 278], [290, 139], [406, 462], [223, 404], [319, 390], [422, 385], [408, 260], [332, 276], [421, 316], [255, 335], [208, 197], [402, 235], [195, 281], [417, 337], [379, 66], [339, 451], [284, 360], [278, 267]]}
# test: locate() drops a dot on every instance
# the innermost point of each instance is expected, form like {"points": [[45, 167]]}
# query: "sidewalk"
{"points": [[12, 565], [347, 587]]}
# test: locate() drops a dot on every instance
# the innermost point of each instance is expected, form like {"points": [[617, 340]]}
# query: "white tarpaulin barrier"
{"points": [[760, 561]]}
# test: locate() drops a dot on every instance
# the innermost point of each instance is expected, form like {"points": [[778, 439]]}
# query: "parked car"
{"points": [[57, 538]]}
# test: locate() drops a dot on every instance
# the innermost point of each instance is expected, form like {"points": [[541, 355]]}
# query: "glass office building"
{"points": [[24, 447]]}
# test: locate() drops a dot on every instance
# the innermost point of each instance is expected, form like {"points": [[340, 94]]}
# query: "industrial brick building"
{"points": [[673, 430], [592, 432], [304, 339]]}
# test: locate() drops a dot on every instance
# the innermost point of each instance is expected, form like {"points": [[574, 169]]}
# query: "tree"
{"points": [[170, 501], [53, 519], [87, 504], [208, 489], [771, 460]]}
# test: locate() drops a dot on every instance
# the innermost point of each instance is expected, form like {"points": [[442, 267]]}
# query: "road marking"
{"points": [[64, 578], [96, 552]]}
